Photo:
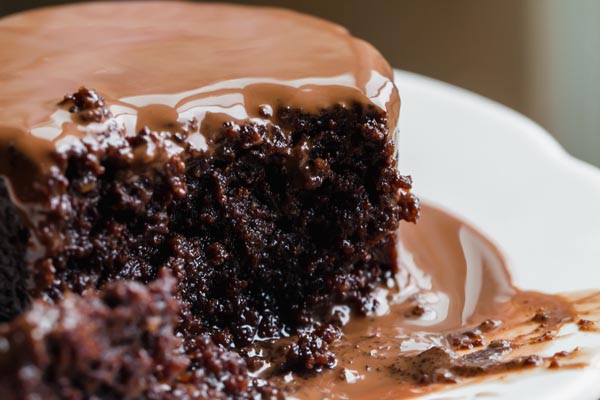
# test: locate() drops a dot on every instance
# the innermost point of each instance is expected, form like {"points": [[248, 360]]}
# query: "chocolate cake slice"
{"points": [[248, 151], [117, 343], [114, 344]]}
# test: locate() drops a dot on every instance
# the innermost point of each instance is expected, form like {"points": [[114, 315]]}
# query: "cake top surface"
{"points": [[191, 59]]}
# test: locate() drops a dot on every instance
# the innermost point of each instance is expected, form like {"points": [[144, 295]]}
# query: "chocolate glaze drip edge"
{"points": [[171, 67]]}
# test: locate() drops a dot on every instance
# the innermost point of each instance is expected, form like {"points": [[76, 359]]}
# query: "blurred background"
{"points": [[540, 57]]}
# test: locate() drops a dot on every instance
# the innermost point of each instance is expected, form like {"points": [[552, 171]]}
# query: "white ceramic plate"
{"points": [[511, 179]]}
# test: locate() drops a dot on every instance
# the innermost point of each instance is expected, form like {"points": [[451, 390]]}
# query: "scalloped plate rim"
{"points": [[420, 94]]}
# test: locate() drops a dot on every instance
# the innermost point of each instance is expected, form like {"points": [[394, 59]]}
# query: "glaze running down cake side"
{"points": [[247, 151]]}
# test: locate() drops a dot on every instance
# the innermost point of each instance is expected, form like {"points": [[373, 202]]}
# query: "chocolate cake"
{"points": [[247, 151], [114, 344], [118, 343]]}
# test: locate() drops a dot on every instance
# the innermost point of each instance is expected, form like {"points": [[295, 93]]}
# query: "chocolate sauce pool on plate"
{"points": [[456, 316]]}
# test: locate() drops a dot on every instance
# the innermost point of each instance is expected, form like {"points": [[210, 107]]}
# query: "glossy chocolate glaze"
{"points": [[451, 314], [171, 66]]}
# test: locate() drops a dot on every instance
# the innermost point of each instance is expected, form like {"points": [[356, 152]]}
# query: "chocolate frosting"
{"points": [[164, 65]]}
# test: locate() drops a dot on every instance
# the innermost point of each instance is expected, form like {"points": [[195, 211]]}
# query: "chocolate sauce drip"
{"points": [[166, 66]]}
